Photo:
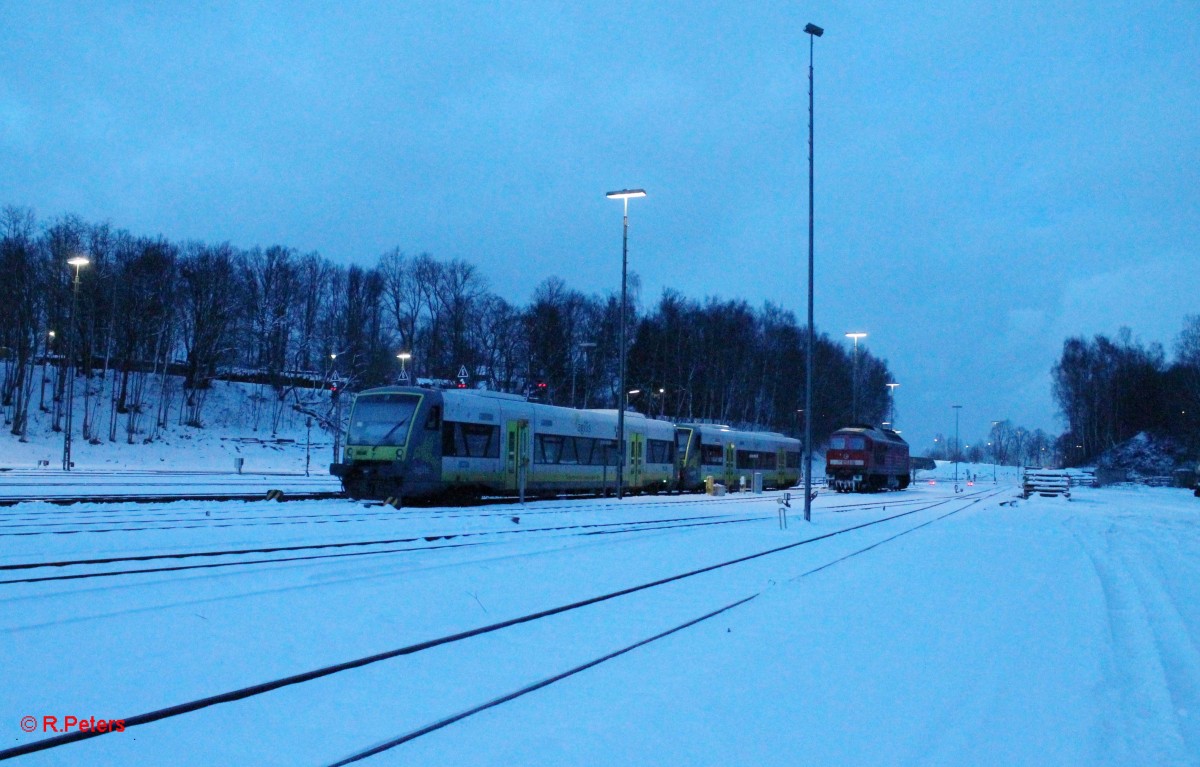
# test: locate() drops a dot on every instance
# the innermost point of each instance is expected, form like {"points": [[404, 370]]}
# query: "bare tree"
{"points": [[210, 294]]}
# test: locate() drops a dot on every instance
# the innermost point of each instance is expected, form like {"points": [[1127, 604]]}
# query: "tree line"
{"points": [[1006, 444], [1109, 390], [148, 307]]}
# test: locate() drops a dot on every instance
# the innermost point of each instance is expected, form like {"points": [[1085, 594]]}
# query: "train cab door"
{"points": [[730, 465], [781, 467], [637, 458], [516, 455]]}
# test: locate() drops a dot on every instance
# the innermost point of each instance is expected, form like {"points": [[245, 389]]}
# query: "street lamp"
{"points": [[892, 401], [957, 408], [854, 381], [78, 262], [624, 196], [45, 364], [583, 346], [404, 357], [813, 31], [994, 444]]}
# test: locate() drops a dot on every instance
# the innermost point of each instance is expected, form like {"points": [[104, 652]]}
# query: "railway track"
{"points": [[441, 541], [26, 523], [438, 724], [956, 504]]}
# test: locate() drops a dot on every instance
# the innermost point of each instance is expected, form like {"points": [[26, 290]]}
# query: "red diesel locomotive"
{"points": [[864, 459]]}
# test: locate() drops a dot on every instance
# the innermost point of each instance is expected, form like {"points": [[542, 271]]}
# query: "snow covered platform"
{"points": [[44, 484]]}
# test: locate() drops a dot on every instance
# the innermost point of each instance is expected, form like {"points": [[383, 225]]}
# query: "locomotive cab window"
{"points": [[844, 442]]}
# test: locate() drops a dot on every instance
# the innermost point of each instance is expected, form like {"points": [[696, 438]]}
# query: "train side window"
{"points": [[448, 446], [605, 453], [749, 459], [435, 418], [549, 448], [481, 440], [660, 451], [793, 460], [569, 454], [711, 455], [583, 450]]}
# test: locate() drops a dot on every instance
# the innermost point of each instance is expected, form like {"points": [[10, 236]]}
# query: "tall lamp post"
{"points": [[892, 403], [624, 196], [404, 357], [583, 346], [957, 408], [854, 375], [813, 31], [995, 446], [78, 262]]}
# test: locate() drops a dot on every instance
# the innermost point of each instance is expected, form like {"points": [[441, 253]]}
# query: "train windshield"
{"points": [[843, 442], [382, 419]]}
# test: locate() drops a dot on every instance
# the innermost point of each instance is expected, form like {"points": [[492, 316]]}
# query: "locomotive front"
{"points": [[865, 459], [392, 444]]}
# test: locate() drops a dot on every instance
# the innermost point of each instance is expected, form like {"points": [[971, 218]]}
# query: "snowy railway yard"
{"points": [[922, 627]]}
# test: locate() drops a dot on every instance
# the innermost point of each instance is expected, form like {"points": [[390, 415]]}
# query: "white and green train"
{"points": [[409, 442]]}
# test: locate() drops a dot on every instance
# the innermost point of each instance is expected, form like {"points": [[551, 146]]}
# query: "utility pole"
{"points": [[813, 31], [957, 408], [78, 262]]}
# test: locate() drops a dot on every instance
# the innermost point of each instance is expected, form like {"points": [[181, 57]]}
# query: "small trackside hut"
{"points": [[862, 459]]}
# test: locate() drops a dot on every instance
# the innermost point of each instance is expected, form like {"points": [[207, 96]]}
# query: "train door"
{"points": [[781, 467], [637, 458], [516, 455], [730, 465]]}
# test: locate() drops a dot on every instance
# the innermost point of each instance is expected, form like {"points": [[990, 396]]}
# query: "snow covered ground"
{"points": [[237, 420], [974, 629]]}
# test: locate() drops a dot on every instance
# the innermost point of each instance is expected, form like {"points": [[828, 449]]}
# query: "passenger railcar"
{"points": [[732, 457], [411, 442], [863, 459]]}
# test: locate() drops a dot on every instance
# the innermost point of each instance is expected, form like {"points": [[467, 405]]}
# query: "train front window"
{"points": [[681, 442], [382, 419], [843, 442]]}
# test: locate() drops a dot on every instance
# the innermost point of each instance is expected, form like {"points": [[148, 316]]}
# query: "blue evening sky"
{"points": [[991, 176]]}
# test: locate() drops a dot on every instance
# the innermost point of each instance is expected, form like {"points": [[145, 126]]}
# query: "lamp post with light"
{"points": [[45, 364], [624, 196], [583, 346], [995, 445], [78, 262], [957, 408], [404, 357], [813, 31], [854, 374], [892, 403]]}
